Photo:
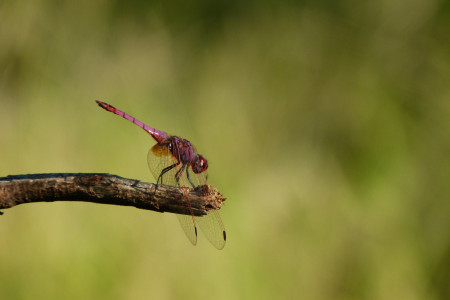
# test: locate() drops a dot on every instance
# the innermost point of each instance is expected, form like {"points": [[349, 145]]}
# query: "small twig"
{"points": [[106, 189]]}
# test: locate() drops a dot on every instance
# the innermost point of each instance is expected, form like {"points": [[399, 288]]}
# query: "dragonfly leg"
{"points": [[165, 170], [189, 178], [178, 174]]}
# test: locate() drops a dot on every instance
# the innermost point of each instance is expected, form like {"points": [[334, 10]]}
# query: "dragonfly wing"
{"points": [[188, 224], [212, 226], [159, 158]]}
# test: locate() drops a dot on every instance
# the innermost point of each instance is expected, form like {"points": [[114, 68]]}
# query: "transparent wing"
{"points": [[159, 158], [212, 226], [188, 224]]}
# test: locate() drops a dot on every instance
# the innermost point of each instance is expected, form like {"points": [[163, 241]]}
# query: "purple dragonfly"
{"points": [[174, 161]]}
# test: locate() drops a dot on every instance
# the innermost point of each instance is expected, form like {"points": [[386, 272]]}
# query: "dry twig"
{"points": [[106, 189]]}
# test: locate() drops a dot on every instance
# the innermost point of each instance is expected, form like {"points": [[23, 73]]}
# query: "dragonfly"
{"points": [[175, 161]]}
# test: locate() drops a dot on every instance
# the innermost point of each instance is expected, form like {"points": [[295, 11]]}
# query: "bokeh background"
{"points": [[325, 123]]}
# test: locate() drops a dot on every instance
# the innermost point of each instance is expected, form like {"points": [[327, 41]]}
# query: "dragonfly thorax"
{"points": [[185, 153]]}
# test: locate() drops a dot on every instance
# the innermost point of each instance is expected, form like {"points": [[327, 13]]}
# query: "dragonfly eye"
{"points": [[199, 164]]}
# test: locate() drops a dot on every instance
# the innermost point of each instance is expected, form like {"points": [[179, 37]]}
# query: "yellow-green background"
{"points": [[325, 123]]}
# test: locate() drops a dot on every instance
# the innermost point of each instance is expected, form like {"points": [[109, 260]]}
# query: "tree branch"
{"points": [[106, 189]]}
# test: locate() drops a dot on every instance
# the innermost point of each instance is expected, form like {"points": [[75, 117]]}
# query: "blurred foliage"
{"points": [[325, 123]]}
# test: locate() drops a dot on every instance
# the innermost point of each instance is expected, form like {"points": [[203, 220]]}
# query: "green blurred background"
{"points": [[325, 123]]}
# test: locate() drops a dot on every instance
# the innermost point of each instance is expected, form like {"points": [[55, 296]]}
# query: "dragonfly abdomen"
{"points": [[158, 135]]}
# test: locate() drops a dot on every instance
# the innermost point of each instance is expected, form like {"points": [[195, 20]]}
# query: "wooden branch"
{"points": [[106, 189]]}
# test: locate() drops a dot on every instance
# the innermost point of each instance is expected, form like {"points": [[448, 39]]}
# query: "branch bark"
{"points": [[106, 189]]}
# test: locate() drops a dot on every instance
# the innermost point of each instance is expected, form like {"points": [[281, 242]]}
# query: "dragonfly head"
{"points": [[199, 164]]}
